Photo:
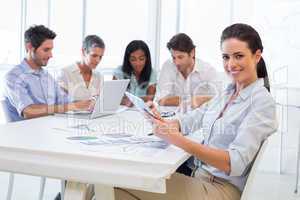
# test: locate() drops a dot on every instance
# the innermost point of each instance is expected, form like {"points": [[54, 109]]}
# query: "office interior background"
{"points": [[118, 22]]}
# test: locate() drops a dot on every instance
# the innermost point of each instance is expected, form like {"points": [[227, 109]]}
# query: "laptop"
{"points": [[107, 103]]}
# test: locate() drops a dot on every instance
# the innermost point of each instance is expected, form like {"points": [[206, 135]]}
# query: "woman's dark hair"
{"points": [[128, 69], [246, 33]]}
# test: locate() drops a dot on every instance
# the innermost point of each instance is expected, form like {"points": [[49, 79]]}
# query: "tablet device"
{"points": [[140, 105]]}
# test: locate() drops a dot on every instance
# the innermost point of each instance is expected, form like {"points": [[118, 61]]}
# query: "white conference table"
{"points": [[39, 147]]}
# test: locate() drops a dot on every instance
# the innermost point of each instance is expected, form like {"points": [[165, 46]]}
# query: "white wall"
{"points": [[277, 22]]}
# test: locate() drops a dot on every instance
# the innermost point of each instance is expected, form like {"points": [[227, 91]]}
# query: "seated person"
{"points": [[81, 80], [185, 76], [137, 67], [234, 125], [29, 90]]}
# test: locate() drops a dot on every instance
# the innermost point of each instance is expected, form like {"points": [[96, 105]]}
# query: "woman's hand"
{"points": [[154, 110], [167, 129], [126, 102]]}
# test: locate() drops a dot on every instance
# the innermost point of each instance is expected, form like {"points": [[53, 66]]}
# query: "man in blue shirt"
{"points": [[29, 90]]}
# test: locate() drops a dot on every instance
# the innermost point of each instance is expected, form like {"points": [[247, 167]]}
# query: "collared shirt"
{"points": [[246, 123], [71, 80], [134, 87], [201, 81], [24, 86]]}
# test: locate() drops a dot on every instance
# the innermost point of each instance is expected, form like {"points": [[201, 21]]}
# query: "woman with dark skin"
{"points": [[137, 67]]}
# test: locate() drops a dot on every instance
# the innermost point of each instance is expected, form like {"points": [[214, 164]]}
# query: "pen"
{"points": [[149, 134]]}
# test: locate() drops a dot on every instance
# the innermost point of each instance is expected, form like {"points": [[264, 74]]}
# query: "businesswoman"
{"points": [[138, 68], [81, 80], [234, 125]]}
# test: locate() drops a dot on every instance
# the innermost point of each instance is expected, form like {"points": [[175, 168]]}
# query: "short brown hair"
{"points": [[181, 42]]}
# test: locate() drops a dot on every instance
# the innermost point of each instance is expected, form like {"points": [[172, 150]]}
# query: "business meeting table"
{"points": [[111, 151]]}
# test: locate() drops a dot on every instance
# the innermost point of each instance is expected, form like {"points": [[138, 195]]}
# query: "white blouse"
{"points": [[245, 124], [71, 80]]}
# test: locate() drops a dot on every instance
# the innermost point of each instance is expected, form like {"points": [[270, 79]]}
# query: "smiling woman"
{"points": [[239, 62], [241, 52], [235, 124]]}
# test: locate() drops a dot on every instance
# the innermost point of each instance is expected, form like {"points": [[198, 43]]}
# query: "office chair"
{"points": [[8, 119], [253, 170]]}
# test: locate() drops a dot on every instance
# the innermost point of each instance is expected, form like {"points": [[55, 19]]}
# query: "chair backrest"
{"points": [[5, 111], [250, 180]]}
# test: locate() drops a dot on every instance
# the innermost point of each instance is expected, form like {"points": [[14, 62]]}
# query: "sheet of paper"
{"points": [[121, 143]]}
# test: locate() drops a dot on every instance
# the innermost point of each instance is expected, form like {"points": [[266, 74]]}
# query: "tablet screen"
{"points": [[140, 104]]}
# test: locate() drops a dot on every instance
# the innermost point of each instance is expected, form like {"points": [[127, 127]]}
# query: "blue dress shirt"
{"points": [[24, 86], [242, 128]]}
